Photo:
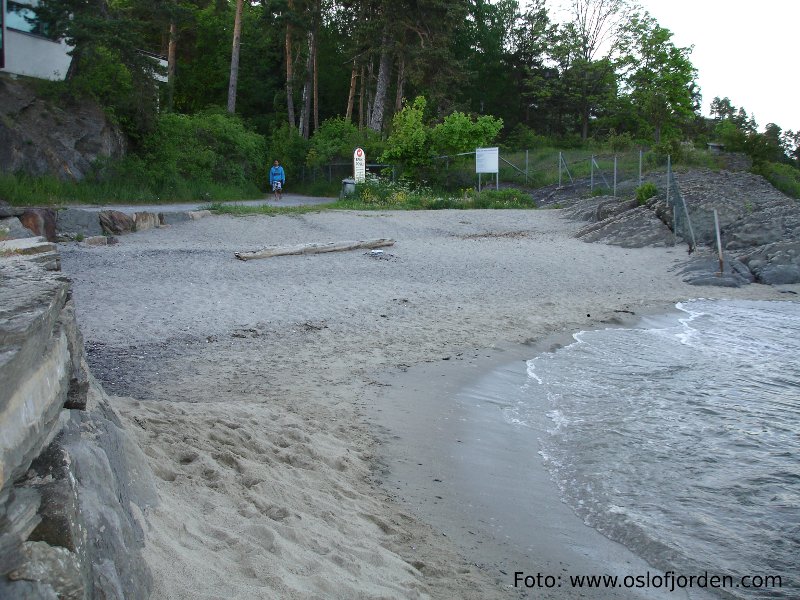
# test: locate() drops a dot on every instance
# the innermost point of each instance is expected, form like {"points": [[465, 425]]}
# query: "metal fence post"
{"points": [[615, 176], [591, 178], [674, 226], [669, 175], [559, 169], [526, 167], [719, 242], [640, 167]]}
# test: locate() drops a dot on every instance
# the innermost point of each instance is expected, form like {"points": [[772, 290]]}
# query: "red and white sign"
{"points": [[359, 165]]}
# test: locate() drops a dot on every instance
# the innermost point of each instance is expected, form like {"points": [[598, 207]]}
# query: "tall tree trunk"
{"points": [[290, 72], [352, 95], [316, 70], [237, 42], [171, 58], [585, 123], [305, 111], [401, 82], [382, 87], [368, 93], [361, 99]]}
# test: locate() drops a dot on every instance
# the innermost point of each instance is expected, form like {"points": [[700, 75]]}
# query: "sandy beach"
{"points": [[300, 413]]}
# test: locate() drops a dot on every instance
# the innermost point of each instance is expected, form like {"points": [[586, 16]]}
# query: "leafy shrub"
{"points": [[622, 142], [209, 147], [646, 191], [413, 144], [524, 138], [408, 142], [336, 139], [460, 133]]}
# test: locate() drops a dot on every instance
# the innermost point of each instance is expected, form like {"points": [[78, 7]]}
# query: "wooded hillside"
{"points": [[606, 71]]}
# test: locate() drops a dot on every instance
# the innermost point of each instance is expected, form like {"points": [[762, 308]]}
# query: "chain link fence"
{"points": [[563, 174]]}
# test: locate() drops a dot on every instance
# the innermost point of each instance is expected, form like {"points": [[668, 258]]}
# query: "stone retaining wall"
{"points": [[73, 485], [76, 223]]}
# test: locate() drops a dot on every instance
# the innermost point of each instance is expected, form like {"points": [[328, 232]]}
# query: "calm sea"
{"points": [[681, 438]]}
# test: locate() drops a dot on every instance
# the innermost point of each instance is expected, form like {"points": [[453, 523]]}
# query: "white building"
{"points": [[25, 47]]}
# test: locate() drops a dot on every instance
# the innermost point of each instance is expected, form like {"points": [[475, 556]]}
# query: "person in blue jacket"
{"points": [[277, 178]]}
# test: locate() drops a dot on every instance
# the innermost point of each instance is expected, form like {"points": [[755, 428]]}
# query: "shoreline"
{"points": [[450, 457], [249, 385]]}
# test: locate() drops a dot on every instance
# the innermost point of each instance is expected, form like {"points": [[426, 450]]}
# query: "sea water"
{"points": [[681, 438]]}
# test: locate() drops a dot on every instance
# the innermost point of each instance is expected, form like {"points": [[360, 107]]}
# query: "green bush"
{"points": [[208, 147], [288, 146], [784, 177], [336, 139], [408, 143], [461, 133], [646, 191], [524, 138], [622, 142], [413, 145]]}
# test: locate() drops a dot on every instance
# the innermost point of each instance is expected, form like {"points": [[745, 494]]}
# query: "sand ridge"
{"points": [[247, 383]]}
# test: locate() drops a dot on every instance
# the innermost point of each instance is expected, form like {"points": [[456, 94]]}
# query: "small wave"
{"points": [[680, 441]]}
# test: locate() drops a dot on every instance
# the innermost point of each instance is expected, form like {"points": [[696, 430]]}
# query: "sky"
{"points": [[745, 50]]}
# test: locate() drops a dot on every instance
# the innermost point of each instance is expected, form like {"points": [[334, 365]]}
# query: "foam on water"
{"points": [[680, 439]]}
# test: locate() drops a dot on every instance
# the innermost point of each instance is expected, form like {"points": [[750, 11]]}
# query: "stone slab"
{"points": [[26, 246]]}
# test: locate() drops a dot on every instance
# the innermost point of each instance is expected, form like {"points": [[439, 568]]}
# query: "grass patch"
{"points": [[378, 194], [645, 191], [784, 177], [242, 210], [24, 190]]}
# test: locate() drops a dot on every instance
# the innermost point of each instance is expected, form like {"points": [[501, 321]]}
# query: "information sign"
{"points": [[487, 160]]}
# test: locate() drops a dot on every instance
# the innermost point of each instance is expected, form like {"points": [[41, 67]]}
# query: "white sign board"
{"points": [[359, 165], [487, 160]]}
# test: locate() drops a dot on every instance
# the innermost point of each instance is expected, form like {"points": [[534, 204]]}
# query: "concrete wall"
{"points": [[34, 56], [73, 484]]}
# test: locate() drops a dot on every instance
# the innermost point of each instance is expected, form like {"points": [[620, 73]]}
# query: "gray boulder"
{"points": [[75, 221], [11, 229]]}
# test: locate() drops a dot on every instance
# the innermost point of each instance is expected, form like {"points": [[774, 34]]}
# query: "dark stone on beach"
{"points": [[775, 264], [6, 210], [115, 222], [78, 222]]}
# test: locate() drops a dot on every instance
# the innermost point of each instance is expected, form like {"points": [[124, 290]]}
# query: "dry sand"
{"points": [[259, 390]]}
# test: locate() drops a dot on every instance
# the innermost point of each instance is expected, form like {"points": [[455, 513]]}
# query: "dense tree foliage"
{"points": [[343, 70]]}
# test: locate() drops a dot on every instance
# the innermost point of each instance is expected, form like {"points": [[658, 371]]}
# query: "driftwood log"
{"points": [[313, 248]]}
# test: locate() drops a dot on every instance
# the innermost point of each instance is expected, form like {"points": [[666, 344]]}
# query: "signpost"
{"points": [[487, 160], [359, 166]]}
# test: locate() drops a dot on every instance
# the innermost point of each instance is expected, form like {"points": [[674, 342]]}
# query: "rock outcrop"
{"points": [[73, 484], [759, 226], [40, 138]]}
